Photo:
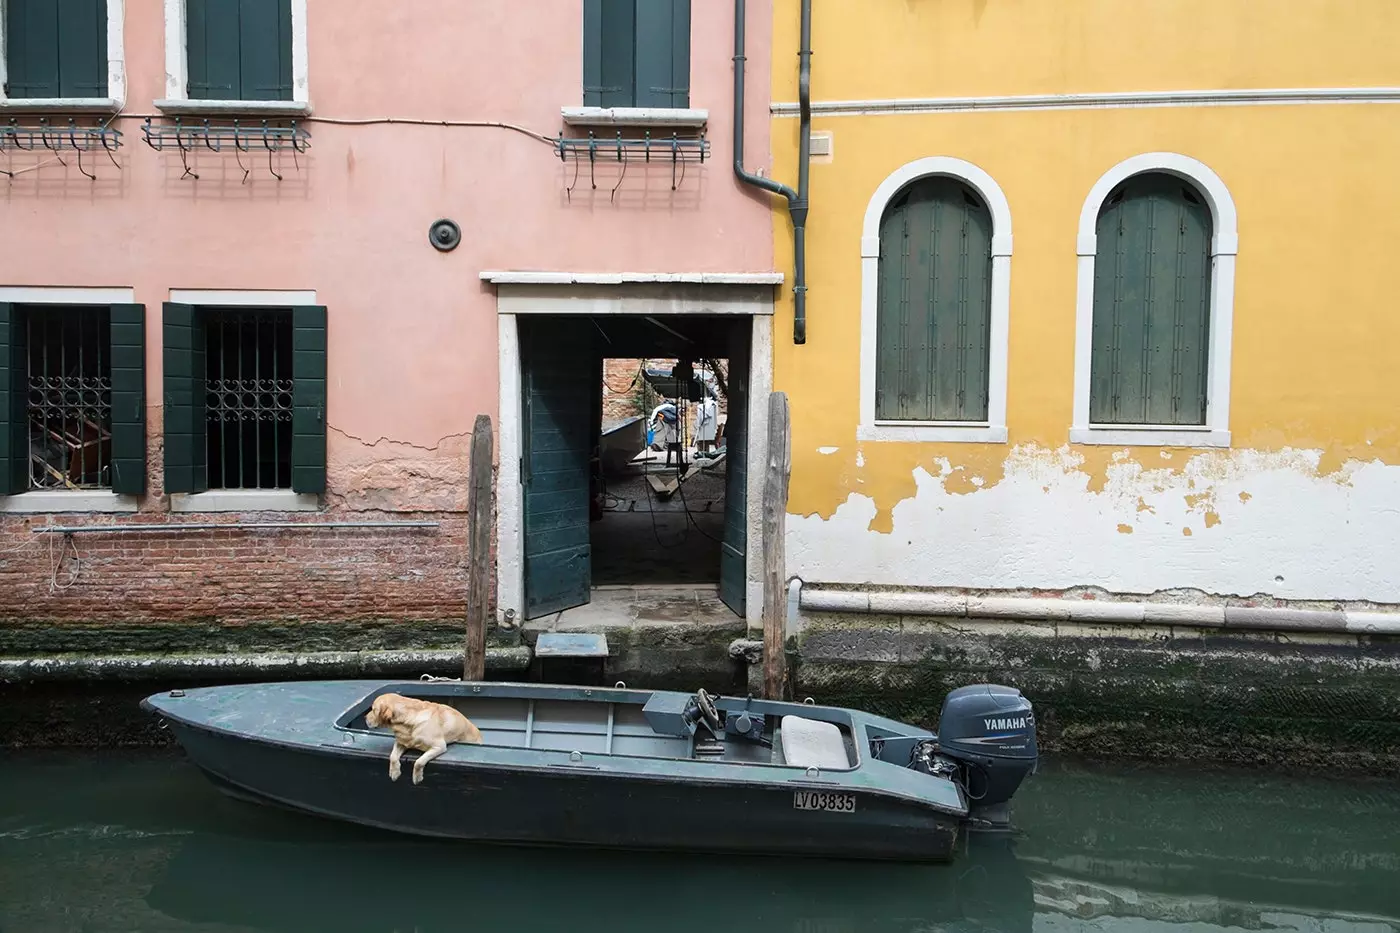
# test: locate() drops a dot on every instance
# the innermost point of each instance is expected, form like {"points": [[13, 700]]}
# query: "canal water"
{"points": [[141, 842]]}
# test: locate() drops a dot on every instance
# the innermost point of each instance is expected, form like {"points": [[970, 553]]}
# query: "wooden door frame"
{"points": [[531, 293]]}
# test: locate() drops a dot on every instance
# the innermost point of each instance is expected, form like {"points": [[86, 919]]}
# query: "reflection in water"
{"points": [[144, 843]]}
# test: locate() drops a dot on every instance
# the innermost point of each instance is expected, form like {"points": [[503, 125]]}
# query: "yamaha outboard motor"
{"points": [[986, 742]]}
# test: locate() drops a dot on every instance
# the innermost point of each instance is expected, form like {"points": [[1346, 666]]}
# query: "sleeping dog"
{"points": [[418, 724]]}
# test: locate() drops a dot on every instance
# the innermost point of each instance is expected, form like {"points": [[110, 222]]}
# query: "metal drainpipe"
{"points": [[797, 200]]}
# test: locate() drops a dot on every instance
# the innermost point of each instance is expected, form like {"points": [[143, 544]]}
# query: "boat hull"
{"points": [[564, 805]]}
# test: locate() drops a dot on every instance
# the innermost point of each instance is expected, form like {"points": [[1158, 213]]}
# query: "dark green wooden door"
{"points": [[733, 572], [1151, 305], [935, 310], [557, 382]]}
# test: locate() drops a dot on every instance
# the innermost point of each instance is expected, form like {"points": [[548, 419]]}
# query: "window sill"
{"points": [[1124, 436], [68, 500], [265, 108], [244, 500], [60, 105], [634, 116], [932, 432]]}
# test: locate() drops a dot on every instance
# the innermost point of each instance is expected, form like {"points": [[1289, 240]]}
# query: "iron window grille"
{"points": [[70, 398], [248, 405]]}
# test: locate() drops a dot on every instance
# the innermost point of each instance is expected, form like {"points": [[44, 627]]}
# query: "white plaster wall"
{"points": [[1276, 527]]}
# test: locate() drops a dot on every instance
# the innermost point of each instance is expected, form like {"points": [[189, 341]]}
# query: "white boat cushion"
{"points": [[808, 743]]}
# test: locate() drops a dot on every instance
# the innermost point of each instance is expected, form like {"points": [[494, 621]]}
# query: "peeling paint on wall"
{"points": [[1052, 519]]}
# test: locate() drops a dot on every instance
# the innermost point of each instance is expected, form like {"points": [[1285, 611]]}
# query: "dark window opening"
{"points": [[70, 398], [249, 403]]}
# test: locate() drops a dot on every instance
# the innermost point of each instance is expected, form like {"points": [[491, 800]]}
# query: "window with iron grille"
{"points": [[69, 403], [636, 53], [248, 367], [238, 49], [245, 398], [72, 398], [55, 48]]}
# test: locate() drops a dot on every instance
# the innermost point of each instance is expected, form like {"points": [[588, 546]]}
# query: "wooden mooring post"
{"points": [[775, 498], [480, 512]]}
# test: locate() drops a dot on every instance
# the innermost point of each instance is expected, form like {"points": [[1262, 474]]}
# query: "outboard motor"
{"points": [[986, 742]]}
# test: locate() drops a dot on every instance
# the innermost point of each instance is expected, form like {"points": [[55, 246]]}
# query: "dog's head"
{"points": [[381, 711]]}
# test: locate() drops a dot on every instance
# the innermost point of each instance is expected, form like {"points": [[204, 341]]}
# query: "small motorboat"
{"points": [[623, 768]]}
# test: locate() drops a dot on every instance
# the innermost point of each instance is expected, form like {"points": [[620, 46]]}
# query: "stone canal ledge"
{"points": [[1172, 677]]}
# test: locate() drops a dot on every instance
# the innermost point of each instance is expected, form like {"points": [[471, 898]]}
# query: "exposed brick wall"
{"points": [[236, 575]]}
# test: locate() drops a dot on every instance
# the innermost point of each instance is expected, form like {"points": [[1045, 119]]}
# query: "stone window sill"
{"points": [[262, 108], [932, 432], [1150, 436], [244, 500], [634, 116], [60, 105], [53, 501]]}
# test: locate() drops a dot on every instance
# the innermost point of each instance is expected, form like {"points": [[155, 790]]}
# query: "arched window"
{"points": [[1155, 306], [935, 284], [1151, 329]]}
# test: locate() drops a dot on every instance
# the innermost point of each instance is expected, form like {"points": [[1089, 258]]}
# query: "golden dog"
{"points": [[418, 724]]}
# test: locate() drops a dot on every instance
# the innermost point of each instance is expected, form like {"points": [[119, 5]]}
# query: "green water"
{"points": [[96, 842]]}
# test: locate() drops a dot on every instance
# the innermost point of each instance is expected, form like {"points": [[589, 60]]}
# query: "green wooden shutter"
{"points": [[128, 335], [609, 44], [265, 49], [82, 48], [14, 396], [663, 53], [239, 49], [309, 399], [31, 48], [1151, 320], [211, 49], [186, 429], [934, 305]]}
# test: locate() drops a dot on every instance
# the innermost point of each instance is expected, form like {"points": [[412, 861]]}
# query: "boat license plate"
{"points": [[823, 800]]}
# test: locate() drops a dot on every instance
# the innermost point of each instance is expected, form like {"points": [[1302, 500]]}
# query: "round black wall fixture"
{"points": [[444, 235]]}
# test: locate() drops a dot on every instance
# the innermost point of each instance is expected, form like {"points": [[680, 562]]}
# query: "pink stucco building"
{"points": [[190, 339]]}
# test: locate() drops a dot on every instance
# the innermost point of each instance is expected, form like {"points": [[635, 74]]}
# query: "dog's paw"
{"points": [[394, 774], [417, 777]]}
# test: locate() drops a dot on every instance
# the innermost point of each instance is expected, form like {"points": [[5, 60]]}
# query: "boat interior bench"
{"points": [[651, 729]]}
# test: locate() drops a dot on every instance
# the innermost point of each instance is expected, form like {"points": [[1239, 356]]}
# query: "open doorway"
{"points": [[634, 441], [661, 472]]}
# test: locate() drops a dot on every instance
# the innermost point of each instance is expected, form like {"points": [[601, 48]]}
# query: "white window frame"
{"points": [[1224, 245], [177, 99], [54, 501], [244, 500], [993, 430], [116, 73]]}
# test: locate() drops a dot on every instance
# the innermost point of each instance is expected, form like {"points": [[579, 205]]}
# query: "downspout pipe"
{"points": [[797, 200]]}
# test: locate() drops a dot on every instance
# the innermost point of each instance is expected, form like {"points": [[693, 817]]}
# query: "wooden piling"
{"points": [[480, 512], [775, 498]]}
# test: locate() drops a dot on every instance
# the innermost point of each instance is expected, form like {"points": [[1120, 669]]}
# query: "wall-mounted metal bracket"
{"points": [[233, 136], [674, 149], [43, 135]]}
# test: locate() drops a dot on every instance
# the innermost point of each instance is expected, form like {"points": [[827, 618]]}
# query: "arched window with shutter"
{"points": [[935, 304], [936, 269], [1155, 306], [1151, 330]]}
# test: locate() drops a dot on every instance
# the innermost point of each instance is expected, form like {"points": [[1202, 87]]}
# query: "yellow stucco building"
{"points": [[1100, 294]]}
